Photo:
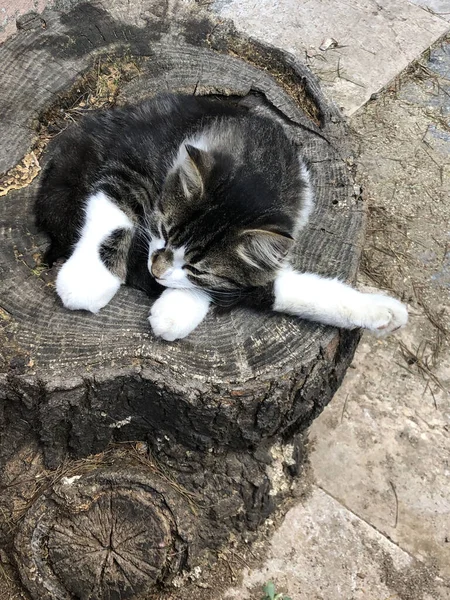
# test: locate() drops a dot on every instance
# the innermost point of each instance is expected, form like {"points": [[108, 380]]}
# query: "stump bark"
{"points": [[216, 420]]}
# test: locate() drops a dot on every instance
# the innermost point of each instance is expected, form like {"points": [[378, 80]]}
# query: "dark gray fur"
{"points": [[245, 191]]}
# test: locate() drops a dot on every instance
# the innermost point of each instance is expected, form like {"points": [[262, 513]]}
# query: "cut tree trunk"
{"points": [[145, 455]]}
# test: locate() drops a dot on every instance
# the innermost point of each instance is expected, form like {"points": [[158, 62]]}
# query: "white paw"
{"points": [[84, 283], [177, 312], [383, 314]]}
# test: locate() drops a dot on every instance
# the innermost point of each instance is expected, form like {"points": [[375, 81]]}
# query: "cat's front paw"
{"points": [[86, 284], [177, 312], [383, 314]]}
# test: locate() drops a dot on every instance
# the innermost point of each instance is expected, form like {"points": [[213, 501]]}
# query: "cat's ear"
{"points": [[264, 247], [194, 170]]}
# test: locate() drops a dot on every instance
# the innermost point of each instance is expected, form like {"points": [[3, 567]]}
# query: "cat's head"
{"points": [[219, 227]]}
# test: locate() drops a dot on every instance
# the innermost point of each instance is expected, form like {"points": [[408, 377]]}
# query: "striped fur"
{"points": [[215, 194]]}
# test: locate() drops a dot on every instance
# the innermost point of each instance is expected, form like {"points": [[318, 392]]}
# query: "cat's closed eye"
{"points": [[193, 271], [164, 232]]}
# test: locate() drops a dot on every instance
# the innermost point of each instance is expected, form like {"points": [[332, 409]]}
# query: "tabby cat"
{"points": [[194, 197]]}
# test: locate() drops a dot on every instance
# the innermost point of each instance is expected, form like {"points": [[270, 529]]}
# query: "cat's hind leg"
{"points": [[332, 302], [84, 281]]}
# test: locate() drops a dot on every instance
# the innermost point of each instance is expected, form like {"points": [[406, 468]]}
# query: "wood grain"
{"points": [[211, 406], [59, 353]]}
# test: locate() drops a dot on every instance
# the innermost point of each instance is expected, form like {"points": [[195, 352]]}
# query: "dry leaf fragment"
{"points": [[328, 43]]}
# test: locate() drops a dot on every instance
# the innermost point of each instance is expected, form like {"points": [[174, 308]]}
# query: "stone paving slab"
{"points": [[440, 8], [376, 39], [382, 449], [358, 564]]}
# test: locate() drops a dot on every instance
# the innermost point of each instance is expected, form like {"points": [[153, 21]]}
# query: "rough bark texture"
{"points": [[216, 419]]}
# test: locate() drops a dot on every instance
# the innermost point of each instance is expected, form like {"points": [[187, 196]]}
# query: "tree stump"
{"points": [[215, 420]]}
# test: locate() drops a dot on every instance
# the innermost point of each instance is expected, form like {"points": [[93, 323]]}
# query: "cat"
{"points": [[194, 198]]}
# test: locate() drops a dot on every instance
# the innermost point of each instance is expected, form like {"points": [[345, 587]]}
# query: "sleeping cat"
{"points": [[194, 197]]}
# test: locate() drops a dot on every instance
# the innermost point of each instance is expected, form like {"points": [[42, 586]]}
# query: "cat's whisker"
{"points": [[141, 244], [224, 297], [144, 231]]}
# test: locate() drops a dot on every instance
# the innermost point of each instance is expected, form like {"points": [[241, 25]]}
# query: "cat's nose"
{"points": [[161, 262]]}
